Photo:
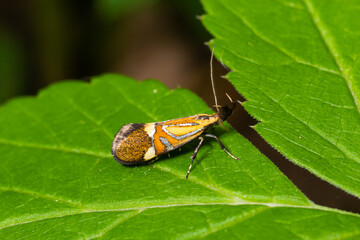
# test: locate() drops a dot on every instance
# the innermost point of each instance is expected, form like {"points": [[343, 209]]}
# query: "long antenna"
{"points": [[212, 80]]}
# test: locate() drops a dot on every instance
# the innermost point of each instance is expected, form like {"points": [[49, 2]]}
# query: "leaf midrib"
{"points": [[71, 212]]}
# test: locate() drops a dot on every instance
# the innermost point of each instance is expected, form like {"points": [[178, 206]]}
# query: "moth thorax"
{"points": [[206, 120]]}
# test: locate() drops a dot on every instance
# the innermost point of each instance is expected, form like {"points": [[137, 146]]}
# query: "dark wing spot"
{"points": [[202, 118]]}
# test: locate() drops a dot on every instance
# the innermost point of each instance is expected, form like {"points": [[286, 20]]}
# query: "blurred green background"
{"points": [[43, 42]]}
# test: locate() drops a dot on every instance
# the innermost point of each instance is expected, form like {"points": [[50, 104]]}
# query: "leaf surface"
{"points": [[297, 64], [59, 180]]}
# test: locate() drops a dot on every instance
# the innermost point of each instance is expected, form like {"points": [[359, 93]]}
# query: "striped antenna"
{"points": [[212, 80]]}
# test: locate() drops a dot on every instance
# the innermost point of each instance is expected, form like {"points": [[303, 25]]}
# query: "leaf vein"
{"points": [[133, 103], [43, 196], [331, 48], [309, 126], [55, 148], [222, 191], [86, 115], [279, 48], [227, 223], [33, 116], [115, 224]]}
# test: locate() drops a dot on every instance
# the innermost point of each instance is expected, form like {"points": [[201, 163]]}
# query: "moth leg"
{"points": [[153, 160], [221, 145], [194, 155]]}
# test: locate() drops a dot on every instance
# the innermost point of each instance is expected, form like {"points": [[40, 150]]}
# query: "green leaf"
{"points": [[297, 64], [59, 180]]}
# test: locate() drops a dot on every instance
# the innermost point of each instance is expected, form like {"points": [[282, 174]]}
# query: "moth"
{"points": [[136, 143]]}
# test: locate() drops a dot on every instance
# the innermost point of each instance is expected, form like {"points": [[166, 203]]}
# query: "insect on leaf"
{"points": [[59, 180]]}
